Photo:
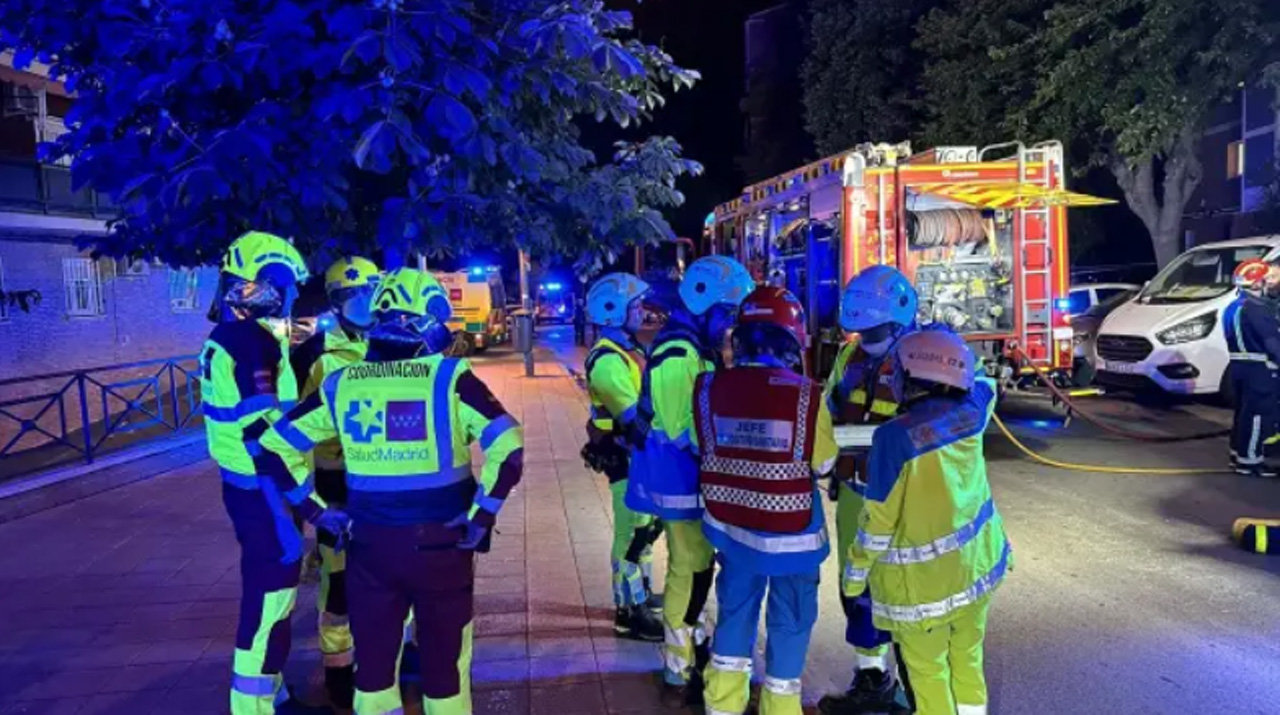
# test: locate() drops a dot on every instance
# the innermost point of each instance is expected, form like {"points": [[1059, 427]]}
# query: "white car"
{"points": [[1169, 336]]}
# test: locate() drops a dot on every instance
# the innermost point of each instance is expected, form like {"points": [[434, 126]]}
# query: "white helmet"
{"points": [[939, 356]]}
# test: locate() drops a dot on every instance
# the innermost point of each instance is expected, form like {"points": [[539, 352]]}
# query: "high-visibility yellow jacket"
{"points": [[664, 473], [613, 384], [932, 541], [406, 427], [314, 360], [246, 378]]}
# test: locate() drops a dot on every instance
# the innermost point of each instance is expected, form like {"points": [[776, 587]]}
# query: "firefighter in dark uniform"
{"points": [[245, 379], [1251, 326], [349, 284]]}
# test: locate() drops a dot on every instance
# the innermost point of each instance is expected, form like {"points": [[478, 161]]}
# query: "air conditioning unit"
{"points": [[17, 100], [132, 268]]}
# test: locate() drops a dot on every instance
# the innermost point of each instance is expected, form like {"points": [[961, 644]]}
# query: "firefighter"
{"points": [[613, 382], [246, 378], [406, 417], [349, 284], [765, 434], [931, 543], [664, 473], [1252, 329], [878, 307]]}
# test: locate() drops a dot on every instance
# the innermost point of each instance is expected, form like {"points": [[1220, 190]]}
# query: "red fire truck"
{"points": [[982, 233]]}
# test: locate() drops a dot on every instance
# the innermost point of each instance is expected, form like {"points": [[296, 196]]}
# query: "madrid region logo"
{"points": [[362, 421]]}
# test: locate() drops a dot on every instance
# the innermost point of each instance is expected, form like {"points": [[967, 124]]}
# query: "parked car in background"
{"points": [[1085, 326], [1170, 335], [1081, 298]]}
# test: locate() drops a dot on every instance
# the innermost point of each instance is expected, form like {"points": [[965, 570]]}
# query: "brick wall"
{"points": [[138, 324]]}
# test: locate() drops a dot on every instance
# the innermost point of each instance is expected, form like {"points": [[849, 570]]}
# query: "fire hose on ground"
{"points": [[1103, 425]]}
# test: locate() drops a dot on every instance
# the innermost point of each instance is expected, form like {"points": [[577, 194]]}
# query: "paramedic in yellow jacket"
{"points": [[877, 309], [614, 306], [246, 379], [664, 473], [407, 416], [349, 284], [932, 545]]}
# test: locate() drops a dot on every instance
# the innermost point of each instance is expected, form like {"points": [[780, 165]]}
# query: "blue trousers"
{"points": [[791, 612]]}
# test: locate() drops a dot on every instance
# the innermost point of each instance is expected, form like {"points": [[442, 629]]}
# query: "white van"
{"points": [[1170, 334]]}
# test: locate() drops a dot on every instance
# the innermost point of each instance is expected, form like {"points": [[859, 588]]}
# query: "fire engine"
{"points": [[982, 233]]}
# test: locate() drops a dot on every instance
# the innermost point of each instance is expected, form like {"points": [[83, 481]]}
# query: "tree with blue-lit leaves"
{"points": [[422, 125]]}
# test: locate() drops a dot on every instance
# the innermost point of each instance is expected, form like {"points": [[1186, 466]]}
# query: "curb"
{"points": [[45, 490]]}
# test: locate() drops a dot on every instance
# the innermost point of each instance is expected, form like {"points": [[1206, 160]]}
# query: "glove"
{"points": [[473, 532], [337, 524]]}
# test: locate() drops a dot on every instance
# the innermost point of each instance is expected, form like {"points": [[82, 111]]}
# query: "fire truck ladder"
{"points": [[1036, 312]]}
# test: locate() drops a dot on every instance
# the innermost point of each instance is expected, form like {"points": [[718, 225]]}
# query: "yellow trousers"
{"points": [[689, 556], [944, 664]]}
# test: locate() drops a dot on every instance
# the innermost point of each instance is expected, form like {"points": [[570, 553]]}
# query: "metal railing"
{"points": [[27, 185], [86, 408]]}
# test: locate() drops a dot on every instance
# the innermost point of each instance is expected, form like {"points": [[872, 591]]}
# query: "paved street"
{"points": [[1127, 596]]}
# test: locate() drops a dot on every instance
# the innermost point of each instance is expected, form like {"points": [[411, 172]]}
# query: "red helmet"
{"points": [[1251, 273], [771, 305]]}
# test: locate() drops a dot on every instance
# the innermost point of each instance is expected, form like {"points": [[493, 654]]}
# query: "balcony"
{"points": [[31, 187]]}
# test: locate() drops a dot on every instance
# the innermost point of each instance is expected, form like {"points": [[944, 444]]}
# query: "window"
{"points": [[1235, 160], [4, 298], [82, 283], [184, 284]]}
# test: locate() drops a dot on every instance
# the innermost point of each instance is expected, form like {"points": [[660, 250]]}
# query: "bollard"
{"points": [[523, 338]]}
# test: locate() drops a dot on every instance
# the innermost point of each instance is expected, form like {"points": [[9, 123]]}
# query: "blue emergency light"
{"points": [[554, 286], [477, 271], [1063, 304]]}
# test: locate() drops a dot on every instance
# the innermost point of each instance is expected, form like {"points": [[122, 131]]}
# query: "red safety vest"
{"points": [[755, 431], [862, 398]]}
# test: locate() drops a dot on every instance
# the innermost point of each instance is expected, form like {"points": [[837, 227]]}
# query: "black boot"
{"points": [[637, 623], [872, 691], [340, 683]]}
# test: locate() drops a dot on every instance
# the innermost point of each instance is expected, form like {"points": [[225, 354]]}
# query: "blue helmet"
{"points": [[715, 280], [609, 298], [876, 296]]}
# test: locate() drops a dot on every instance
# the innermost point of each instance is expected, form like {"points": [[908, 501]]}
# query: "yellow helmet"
{"points": [[256, 250], [351, 272], [414, 292]]}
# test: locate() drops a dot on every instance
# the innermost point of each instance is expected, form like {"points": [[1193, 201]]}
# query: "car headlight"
{"points": [[1188, 330]]}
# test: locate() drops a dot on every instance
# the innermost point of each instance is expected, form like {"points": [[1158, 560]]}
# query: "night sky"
{"points": [[706, 35]]}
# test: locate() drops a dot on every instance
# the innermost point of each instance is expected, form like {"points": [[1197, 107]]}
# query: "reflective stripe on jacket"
{"points": [[318, 357], [859, 391], [406, 427], [764, 434], [245, 375], [613, 384], [664, 473], [931, 540]]}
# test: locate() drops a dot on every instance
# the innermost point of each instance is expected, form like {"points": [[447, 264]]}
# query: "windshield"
{"points": [[1198, 275], [1101, 310]]}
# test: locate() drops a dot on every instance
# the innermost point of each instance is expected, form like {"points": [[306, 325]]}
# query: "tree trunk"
{"points": [[1162, 213]]}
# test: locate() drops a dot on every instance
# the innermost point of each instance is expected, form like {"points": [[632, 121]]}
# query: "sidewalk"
{"points": [[125, 602]]}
